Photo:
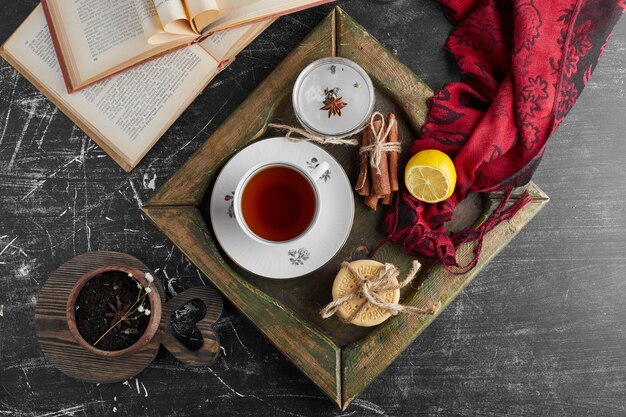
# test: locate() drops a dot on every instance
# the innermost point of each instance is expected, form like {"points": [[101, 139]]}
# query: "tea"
{"points": [[278, 203]]}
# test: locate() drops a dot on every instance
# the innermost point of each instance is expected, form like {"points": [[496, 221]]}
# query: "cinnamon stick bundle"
{"points": [[381, 182]]}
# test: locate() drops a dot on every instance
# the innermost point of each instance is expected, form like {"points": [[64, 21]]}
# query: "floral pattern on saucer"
{"points": [[230, 198], [314, 163], [298, 257]]}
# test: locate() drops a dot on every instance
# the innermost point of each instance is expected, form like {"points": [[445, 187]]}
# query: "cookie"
{"points": [[345, 283]]}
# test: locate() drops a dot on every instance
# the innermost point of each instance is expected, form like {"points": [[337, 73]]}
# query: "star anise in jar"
{"points": [[333, 103], [118, 312]]}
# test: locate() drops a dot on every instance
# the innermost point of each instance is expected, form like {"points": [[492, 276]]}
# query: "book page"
{"points": [[151, 23], [245, 11], [223, 7], [230, 5], [130, 111], [174, 17], [102, 34], [202, 12], [224, 44]]}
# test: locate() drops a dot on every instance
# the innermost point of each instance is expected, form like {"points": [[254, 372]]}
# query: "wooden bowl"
{"points": [[155, 309]]}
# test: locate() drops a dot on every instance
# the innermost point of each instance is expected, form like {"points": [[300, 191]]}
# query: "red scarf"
{"points": [[523, 64]]}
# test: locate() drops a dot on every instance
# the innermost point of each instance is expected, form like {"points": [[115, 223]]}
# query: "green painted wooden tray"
{"points": [[342, 360]]}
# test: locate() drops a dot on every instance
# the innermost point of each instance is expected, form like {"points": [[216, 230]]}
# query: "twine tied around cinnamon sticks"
{"points": [[380, 150], [371, 290], [378, 144], [309, 137]]}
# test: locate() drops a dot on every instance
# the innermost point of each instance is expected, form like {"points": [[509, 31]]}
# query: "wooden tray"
{"points": [[342, 360]]}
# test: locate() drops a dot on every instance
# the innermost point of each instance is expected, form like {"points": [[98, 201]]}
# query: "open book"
{"points": [[96, 39], [126, 114]]}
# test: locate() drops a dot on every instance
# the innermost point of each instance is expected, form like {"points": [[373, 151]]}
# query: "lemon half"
{"points": [[430, 176]]}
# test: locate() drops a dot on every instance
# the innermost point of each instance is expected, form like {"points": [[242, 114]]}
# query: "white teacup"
{"points": [[290, 218]]}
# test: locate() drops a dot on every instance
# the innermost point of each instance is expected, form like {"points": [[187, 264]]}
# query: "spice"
{"points": [[119, 313], [379, 154], [371, 201], [393, 156], [333, 104], [380, 174]]}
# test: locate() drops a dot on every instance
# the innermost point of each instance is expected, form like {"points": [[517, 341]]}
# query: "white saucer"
{"points": [[300, 256]]}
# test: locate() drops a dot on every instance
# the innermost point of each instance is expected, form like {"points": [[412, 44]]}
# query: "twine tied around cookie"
{"points": [[372, 288], [309, 137], [379, 144]]}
